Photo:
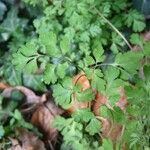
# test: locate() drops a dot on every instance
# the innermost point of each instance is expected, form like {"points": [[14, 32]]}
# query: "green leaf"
{"points": [[63, 92], [17, 115], [119, 116], [85, 96], [113, 84], [36, 2], [147, 49], [15, 78], [95, 76], [88, 60], [138, 26], [49, 40], [65, 45], [10, 24], [135, 20], [83, 115], [26, 58], [98, 52], [61, 70], [117, 42], [2, 131], [111, 74], [105, 112], [107, 144], [95, 30], [146, 71], [93, 127], [129, 61], [49, 74], [34, 81], [60, 122], [136, 39]]}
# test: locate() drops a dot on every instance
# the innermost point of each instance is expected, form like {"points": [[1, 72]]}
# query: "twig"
{"points": [[114, 28]]}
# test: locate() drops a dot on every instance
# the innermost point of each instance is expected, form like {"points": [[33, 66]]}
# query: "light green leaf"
{"points": [[136, 39], [111, 74], [107, 144], [17, 115], [129, 61], [98, 53], [65, 45], [138, 26], [49, 74], [26, 58], [61, 70], [49, 40], [88, 60], [62, 92], [83, 115], [85, 96], [93, 127], [147, 49]]}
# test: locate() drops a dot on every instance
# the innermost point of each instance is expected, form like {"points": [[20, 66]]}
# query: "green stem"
{"points": [[114, 28]]}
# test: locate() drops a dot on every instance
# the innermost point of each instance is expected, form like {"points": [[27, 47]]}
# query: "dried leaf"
{"points": [[31, 97], [27, 141], [82, 80], [99, 101], [3, 86], [43, 118], [15, 145]]}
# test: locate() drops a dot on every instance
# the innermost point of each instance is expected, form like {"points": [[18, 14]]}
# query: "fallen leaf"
{"points": [[26, 141], [15, 144], [3, 86], [100, 100], [82, 80], [110, 130], [31, 97], [43, 117]]}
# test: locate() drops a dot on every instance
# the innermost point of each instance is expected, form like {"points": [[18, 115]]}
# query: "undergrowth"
{"points": [[45, 44]]}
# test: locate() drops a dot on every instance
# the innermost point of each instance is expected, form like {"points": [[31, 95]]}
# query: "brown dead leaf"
{"points": [[100, 100], [43, 118], [31, 97], [26, 141], [15, 144], [110, 130], [3, 86], [82, 80]]}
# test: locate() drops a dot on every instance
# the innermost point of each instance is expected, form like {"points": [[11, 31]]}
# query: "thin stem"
{"points": [[114, 28]]}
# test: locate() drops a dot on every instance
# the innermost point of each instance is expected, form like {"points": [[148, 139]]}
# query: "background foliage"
{"points": [[44, 44]]}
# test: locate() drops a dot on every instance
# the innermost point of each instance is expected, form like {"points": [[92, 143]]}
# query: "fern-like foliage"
{"points": [[87, 36]]}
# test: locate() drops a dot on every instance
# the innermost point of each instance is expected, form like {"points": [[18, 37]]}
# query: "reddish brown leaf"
{"points": [[82, 80], [43, 118], [3, 86]]}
